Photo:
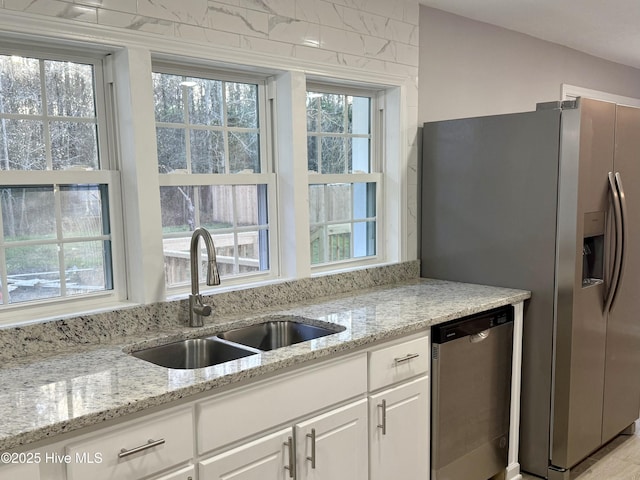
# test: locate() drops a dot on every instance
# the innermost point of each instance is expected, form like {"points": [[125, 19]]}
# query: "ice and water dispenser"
{"points": [[593, 249]]}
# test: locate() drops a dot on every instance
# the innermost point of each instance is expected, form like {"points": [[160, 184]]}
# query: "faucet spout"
{"points": [[197, 309]]}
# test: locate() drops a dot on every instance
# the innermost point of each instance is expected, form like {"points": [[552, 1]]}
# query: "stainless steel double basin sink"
{"points": [[236, 343]]}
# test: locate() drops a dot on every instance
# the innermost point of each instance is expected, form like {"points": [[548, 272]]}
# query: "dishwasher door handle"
{"points": [[479, 337]]}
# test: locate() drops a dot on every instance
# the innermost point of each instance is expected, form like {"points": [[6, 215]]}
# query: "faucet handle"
{"points": [[203, 310], [197, 310]]}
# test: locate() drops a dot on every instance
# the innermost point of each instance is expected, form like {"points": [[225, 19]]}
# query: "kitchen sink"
{"points": [[277, 333], [193, 353], [236, 343]]}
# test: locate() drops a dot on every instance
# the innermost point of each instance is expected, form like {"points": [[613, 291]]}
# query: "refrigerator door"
{"points": [[622, 367], [489, 201], [580, 330]]}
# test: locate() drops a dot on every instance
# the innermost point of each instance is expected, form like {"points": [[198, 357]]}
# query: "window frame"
{"points": [[266, 176], [376, 173], [106, 175]]}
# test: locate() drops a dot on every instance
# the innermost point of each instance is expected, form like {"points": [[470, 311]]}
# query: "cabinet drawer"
{"points": [[188, 473], [398, 362], [135, 450]]}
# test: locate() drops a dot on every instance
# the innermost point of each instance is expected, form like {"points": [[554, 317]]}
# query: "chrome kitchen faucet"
{"points": [[197, 309]]}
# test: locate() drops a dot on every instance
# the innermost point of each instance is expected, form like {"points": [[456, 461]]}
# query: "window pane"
{"points": [[244, 156], [22, 145], [167, 95], [253, 248], [332, 113], [172, 152], [317, 213], [178, 209], [338, 202], [28, 213], [207, 151], [318, 244], [359, 156], [312, 153], [81, 208], [216, 207], [84, 267], [364, 200], [74, 144], [313, 111], [247, 205], [339, 242], [359, 115], [32, 272], [20, 85], [69, 89], [242, 105], [177, 267], [334, 155], [205, 101], [336, 233], [364, 239]]}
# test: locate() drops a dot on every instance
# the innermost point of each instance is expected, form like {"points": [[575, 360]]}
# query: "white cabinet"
{"points": [[333, 446], [399, 361], [138, 449], [399, 427], [21, 471], [188, 473], [267, 458], [399, 432], [230, 417]]}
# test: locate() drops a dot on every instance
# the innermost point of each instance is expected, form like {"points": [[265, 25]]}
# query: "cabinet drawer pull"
{"points": [[383, 425], [292, 458], [312, 458], [410, 356], [150, 444]]}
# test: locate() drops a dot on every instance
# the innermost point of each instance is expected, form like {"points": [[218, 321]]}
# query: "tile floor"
{"points": [[618, 460]]}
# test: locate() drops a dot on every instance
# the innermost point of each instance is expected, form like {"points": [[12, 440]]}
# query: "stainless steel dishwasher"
{"points": [[470, 395]]}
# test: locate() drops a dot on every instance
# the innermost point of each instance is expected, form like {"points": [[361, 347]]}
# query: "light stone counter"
{"points": [[52, 393]]}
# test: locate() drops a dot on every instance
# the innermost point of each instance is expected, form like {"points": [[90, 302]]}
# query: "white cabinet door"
{"points": [[333, 446], [188, 473], [20, 471], [399, 432], [262, 459]]}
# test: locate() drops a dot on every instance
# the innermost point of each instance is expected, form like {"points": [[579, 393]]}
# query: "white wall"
{"points": [[470, 68]]}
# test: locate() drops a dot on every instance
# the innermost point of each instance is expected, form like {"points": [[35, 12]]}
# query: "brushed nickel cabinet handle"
{"points": [[292, 458], [312, 458], [150, 444], [383, 425], [406, 358]]}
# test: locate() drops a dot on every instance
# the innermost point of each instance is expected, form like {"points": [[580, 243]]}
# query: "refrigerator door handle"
{"points": [[624, 243], [617, 213]]}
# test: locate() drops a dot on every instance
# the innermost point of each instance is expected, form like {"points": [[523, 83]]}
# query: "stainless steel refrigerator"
{"points": [[549, 201]]}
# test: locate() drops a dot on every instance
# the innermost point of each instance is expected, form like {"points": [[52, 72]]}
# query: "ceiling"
{"points": [[606, 29]]}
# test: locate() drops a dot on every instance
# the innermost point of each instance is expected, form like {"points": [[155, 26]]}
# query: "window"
{"points": [[55, 187], [211, 137], [343, 183]]}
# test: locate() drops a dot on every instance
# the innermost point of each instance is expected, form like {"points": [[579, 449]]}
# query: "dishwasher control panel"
{"points": [[472, 324]]}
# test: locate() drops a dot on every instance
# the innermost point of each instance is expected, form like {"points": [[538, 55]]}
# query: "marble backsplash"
{"points": [[58, 335]]}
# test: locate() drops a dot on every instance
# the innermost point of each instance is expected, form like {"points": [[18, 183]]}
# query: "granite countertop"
{"points": [[50, 394]]}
